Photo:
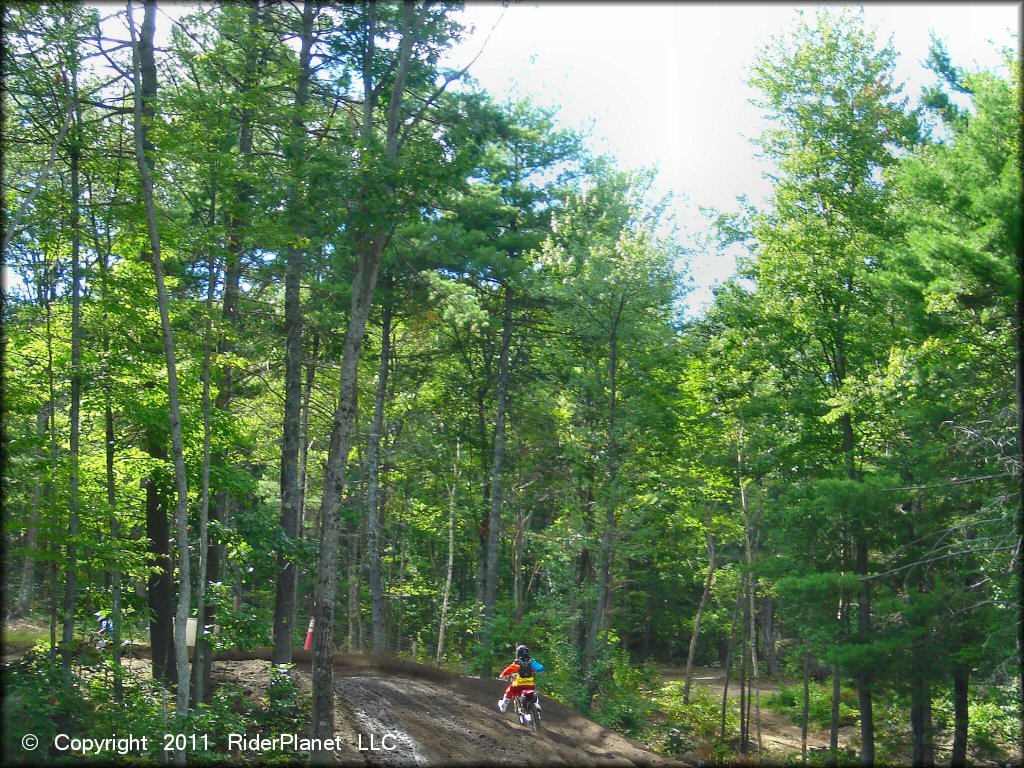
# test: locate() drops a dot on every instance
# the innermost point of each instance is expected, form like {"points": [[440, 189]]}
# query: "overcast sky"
{"points": [[664, 84]]}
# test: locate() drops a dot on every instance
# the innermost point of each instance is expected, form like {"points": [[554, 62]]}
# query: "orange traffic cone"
{"points": [[309, 636]]}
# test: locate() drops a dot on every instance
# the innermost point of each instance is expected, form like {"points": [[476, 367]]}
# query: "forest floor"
{"points": [[780, 736]]}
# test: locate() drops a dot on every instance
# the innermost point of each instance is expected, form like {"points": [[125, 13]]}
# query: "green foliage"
{"points": [[696, 725], [852, 385], [244, 628], [789, 701], [623, 698], [286, 711], [993, 723], [35, 702]]}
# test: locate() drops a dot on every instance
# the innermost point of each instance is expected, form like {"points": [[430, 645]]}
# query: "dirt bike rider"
{"points": [[523, 667], [105, 629]]}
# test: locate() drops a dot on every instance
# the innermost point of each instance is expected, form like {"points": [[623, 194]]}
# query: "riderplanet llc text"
{"points": [[386, 742]]}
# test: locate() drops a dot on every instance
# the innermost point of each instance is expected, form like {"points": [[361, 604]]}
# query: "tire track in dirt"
{"points": [[436, 717], [439, 718]]}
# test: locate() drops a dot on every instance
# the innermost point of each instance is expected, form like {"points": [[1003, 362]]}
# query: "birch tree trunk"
{"points": [[744, 698], [46, 295], [144, 75], [108, 451], [766, 619]]}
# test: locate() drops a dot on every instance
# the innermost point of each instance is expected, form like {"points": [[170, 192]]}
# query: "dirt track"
{"points": [[438, 718]]}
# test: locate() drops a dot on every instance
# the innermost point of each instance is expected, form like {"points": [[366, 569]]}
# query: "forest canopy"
{"points": [[300, 324]]}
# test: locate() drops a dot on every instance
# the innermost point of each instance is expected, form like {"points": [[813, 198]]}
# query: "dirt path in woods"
{"points": [[779, 734], [440, 718], [433, 717]]}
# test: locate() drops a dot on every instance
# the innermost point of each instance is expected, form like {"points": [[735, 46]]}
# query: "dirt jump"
{"points": [[439, 718]]}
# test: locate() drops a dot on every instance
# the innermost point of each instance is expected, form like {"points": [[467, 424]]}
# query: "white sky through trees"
{"points": [[664, 84]]}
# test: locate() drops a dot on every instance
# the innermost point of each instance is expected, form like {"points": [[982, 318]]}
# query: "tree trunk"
{"points": [[46, 297], [497, 486], [748, 542], [841, 620], [585, 564], [160, 589], [922, 752], [754, 674], [695, 635], [304, 445], [1018, 340], [71, 568], [768, 634], [867, 725], [806, 709], [401, 571], [518, 596], [602, 609], [961, 683], [352, 579], [728, 656], [204, 481], [145, 93], [483, 529], [744, 699], [220, 508], [374, 531], [649, 609], [284, 597], [369, 251], [451, 555], [833, 733], [111, 486]]}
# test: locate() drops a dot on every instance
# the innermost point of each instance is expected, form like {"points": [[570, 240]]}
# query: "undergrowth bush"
{"points": [[789, 701], [37, 702], [992, 727], [623, 699], [696, 726], [285, 712]]}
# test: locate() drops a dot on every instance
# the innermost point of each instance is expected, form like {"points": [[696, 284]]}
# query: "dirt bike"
{"points": [[100, 641], [528, 708], [527, 705]]}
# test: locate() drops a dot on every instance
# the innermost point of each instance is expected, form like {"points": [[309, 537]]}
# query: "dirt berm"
{"points": [[438, 718]]}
